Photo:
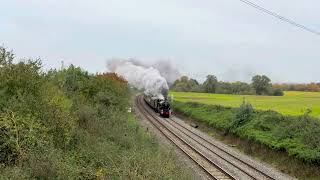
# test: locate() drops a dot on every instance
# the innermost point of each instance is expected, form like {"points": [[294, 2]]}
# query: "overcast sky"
{"points": [[223, 37]]}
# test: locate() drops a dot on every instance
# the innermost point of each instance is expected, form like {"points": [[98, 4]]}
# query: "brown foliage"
{"points": [[312, 87], [114, 77]]}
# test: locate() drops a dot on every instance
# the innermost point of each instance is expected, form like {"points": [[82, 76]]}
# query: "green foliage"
{"points": [[242, 115], [215, 115], [278, 92], [57, 115], [19, 80], [6, 57], [234, 88], [69, 124], [210, 84], [18, 135], [299, 136], [262, 84], [185, 84]]}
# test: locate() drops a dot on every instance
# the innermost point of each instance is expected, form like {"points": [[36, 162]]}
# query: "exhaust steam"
{"points": [[142, 77]]}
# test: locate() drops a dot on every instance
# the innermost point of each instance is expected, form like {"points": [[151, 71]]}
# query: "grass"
{"points": [[277, 130], [278, 159], [297, 138], [292, 103]]}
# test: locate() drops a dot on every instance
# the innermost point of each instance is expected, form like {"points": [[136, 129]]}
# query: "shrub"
{"points": [[242, 115], [19, 135], [69, 124], [85, 114], [56, 115], [278, 92], [20, 80]]}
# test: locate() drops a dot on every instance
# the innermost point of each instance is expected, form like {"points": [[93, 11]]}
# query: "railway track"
{"points": [[213, 170], [214, 158], [248, 167]]}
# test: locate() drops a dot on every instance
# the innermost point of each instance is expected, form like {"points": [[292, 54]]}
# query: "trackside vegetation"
{"points": [[70, 124], [299, 136]]}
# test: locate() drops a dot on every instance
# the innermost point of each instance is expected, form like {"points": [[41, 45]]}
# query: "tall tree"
{"points": [[181, 84], [210, 85], [262, 84]]}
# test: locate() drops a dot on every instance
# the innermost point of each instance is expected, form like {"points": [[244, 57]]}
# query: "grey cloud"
{"points": [[225, 38]]}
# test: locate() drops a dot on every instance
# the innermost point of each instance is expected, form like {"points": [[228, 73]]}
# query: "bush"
{"points": [[278, 92], [19, 135], [69, 124], [242, 115]]}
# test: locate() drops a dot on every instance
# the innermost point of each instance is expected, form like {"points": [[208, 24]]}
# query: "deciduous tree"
{"points": [[262, 84], [210, 84]]}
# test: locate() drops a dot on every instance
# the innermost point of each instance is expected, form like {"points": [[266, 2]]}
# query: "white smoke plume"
{"points": [[166, 68], [142, 77]]}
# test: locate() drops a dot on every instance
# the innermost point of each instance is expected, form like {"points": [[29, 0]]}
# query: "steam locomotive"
{"points": [[161, 106]]}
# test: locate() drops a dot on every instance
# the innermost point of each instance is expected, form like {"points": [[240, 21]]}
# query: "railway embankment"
{"points": [[289, 143], [70, 124]]}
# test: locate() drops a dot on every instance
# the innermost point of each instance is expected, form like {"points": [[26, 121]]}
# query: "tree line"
{"points": [[310, 87], [260, 85]]}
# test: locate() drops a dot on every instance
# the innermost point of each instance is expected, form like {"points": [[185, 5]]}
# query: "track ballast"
{"points": [[216, 160]]}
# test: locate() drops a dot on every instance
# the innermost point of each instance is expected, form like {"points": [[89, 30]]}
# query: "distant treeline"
{"points": [[311, 87], [260, 85]]}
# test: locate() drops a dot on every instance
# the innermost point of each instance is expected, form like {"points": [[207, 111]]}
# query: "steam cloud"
{"points": [[165, 67], [141, 76], [167, 70]]}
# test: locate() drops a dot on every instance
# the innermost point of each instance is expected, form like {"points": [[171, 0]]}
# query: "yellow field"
{"points": [[292, 103]]}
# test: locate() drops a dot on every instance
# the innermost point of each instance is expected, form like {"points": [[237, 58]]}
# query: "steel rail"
{"points": [[222, 150], [162, 128]]}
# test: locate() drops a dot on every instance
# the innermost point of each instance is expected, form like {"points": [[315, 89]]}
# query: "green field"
{"points": [[292, 103]]}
